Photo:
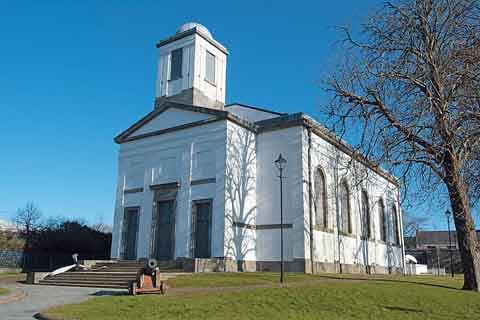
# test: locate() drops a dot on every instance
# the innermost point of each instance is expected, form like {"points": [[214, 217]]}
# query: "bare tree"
{"points": [[27, 220], [100, 225], [412, 224], [410, 83]]}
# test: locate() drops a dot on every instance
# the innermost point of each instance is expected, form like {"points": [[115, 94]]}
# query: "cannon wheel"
{"points": [[132, 288], [163, 287]]}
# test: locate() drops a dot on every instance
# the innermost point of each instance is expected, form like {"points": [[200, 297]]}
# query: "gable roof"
{"points": [[218, 115]]}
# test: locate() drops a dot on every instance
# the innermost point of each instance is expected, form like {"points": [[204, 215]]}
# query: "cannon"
{"points": [[147, 280]]}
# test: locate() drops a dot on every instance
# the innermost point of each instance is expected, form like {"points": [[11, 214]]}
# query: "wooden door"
{"points": [[203, 229], [165, 230], [130, 233]]}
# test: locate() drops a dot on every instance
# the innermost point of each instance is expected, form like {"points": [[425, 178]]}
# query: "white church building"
{"points": [[197, 183]]}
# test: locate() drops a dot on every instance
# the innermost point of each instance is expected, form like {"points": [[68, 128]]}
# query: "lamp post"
{"points": [[448, 214], [280, 163]]}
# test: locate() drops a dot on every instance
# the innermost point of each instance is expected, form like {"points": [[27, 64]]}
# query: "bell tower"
{"points": [[192, 68]]}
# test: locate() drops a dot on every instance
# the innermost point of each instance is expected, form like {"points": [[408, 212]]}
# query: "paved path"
{"points": [[39, 297]]}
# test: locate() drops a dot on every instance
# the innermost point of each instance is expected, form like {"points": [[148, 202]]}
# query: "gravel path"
{"points": [[40, 297]]}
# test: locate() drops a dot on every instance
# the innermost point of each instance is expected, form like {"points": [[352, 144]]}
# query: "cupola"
{"points": [[192, 68]]}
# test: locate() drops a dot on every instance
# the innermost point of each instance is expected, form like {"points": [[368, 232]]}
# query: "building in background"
{"points": [[436, 239], [197, 181], [433, 249]]}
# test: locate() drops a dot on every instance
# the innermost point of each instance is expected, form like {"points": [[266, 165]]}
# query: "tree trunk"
{"points": [[464, 225]]}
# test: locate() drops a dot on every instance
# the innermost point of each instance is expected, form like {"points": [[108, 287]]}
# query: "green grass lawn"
{"points": [[12, 276], [202, 280], [3, 291], [308, 297]]}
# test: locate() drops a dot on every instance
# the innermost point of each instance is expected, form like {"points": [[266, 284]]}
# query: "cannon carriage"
{"points": [[148, 280]]}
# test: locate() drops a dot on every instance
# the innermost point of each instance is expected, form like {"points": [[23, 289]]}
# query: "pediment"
{"points": [[169, 117]]}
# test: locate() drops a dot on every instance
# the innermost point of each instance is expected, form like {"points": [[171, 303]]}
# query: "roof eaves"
{"points": [[148, 117], [242, 122]]}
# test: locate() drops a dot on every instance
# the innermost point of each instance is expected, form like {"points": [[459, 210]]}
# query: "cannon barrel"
{"points": [[151, 267]]}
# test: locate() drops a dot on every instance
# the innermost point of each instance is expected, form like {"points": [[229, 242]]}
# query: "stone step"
{"points": [[98, 272], [110, 275], [135, 270], [161, 264], [99, 278], [90, 281], [103, 277], [86, 284]]}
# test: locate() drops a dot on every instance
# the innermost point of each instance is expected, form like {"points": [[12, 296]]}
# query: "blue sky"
{"points": [[75, 74]]}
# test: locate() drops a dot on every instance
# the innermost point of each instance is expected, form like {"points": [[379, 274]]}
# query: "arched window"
{"points": [[395, 236], [366, 225], [382, 226], [346, 224], [321, 218]]}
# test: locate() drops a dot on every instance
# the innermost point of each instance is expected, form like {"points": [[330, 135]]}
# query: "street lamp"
{"points": [[448, 214], [280, 163]]}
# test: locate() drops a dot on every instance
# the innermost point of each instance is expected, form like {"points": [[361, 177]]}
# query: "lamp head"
{"points": [[280, 162], [448, 213]]}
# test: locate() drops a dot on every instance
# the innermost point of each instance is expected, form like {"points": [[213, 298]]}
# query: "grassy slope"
{"points": [[379, 298], [3, 291]]}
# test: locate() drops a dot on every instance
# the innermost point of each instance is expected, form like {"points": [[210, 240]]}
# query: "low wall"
{"points": [[10, 258], [296, 265], [35, 277]]}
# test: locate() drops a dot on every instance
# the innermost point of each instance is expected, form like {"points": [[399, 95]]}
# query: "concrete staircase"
{"points": [[109, 275]]}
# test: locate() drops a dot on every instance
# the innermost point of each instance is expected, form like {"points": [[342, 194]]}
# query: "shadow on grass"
{"points": [[392, 280], [402, 309], [102, 293]]}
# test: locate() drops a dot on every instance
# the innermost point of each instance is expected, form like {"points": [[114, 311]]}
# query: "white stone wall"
{"points": [[269, 146], [330, 246], [181, 156], [240, 193]]}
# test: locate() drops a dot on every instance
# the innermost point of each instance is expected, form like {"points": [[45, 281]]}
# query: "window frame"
{"points": [[172, 76], [207, 55], [345, 187], [395, 224], [320, 200], [381, 218], [366, 219]]}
